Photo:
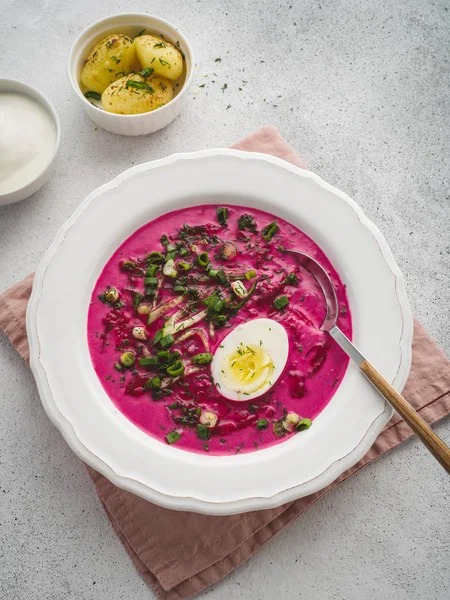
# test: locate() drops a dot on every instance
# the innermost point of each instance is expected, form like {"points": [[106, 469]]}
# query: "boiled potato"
{"points": [[159, 54], [109, 60], [134, 94]]}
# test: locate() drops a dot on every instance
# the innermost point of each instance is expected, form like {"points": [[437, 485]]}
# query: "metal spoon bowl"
{"points": [[433, 442]]}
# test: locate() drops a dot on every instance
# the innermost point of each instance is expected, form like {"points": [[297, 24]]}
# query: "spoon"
{"points": [[433, 442]]}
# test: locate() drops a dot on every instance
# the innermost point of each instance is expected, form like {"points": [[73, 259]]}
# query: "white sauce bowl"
{"points": [[20, 193], [130, 24]]}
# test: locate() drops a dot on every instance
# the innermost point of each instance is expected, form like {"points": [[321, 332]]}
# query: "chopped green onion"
{"points": [[303, 424], [173, 406], [250, 274], [164, 240], [269, 231], [219, 275], [150, 292], [127, 359], [150, 361], [92, 95], [167, 341], [203, 432], [151, 270], [153, 384], [158, 336], [179, 289], [163, 357], [203, 358], [151, 281], [136, 300], [128, 265], [279, 429], [118, 367], [182, 265], [176, 369], [155, 257], [222, 213], [291, 279], [173, 437], [262, 424], [203, 259], [280, 302], [170, 255], [184, 252]]}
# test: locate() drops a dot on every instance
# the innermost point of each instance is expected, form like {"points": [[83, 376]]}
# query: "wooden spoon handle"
{"points": [[433, 442]]}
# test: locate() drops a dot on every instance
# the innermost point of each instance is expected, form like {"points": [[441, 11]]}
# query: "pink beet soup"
{"points": [[171, 294]]}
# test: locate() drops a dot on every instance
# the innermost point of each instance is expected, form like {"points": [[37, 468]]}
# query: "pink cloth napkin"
{"points": [[180, 554]]}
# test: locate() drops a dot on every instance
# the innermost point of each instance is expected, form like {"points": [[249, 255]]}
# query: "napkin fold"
{"points": [[181, 553]]}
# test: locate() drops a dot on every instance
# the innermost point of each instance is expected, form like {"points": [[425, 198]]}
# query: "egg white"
{"points": [[266, 334]]}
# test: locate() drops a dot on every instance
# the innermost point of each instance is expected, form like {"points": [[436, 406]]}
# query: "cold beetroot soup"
{"points": [[205, 333]]}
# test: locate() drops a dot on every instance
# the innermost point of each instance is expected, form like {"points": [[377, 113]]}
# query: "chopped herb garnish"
{"points": [[218, 59], [224, 87], [155, 257], [164, 62], [167, 341], [262, 424], [141, 33], [148, 361], [158, 336], [222, 213], [153, 384], [300, 348], [139, 85], [160, 45], [92, 95], [269, 231], [303, 424], [147, 72], [291, 279], [281, 302], [247, 222], [203, 259], [202, 359], [229, 106], [176, 370], [173, 437], [239, 447], [203, 432]]}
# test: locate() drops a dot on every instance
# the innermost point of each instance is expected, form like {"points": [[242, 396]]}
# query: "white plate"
{"points": [[102, 437]]}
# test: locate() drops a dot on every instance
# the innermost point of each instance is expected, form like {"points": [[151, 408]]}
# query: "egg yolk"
{"points": [[248, 369]]}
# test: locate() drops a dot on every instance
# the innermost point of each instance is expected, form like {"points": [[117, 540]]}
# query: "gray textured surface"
{"points": [[362, 91]]}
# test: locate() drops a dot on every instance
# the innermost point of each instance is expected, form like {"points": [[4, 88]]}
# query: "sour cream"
{"points": [[27, 140]]}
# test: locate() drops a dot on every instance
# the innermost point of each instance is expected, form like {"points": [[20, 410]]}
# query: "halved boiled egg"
{"points": [[250, 359]]}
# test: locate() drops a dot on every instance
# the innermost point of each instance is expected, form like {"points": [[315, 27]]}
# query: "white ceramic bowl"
{"points": [[13, 86], [130, 24], [103, 437]]}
